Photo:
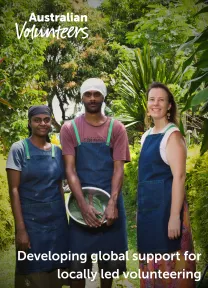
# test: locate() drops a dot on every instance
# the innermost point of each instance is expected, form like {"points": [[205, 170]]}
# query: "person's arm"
{"points": [[21, 236], [61, 190], [88, 211], [111, 211], [176, 156]]}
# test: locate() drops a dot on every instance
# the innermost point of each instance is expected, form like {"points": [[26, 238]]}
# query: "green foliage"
{"points": [[197, 94], [20, 72], [200, 59], [6, 223], [165, 27], [118, 15], [131, 176], [69, 62], [197, 183], [7, 266], [133, 79], [192, 156]]}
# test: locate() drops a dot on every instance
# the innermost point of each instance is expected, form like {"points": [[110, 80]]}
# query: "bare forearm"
{"points": [[75, 186], [178, 193], [116, 184], [16, 209], [61, 190]]}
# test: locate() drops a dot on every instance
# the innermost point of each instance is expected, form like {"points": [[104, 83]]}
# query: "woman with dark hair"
{"points": [[35, 173], [163, 224]]}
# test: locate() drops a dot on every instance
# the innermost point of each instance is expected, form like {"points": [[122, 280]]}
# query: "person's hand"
{"points": [[174, 226], [89, 215], [111, 213], [22, 240]]}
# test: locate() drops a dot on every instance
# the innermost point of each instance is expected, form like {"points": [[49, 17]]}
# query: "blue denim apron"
{"points": [[94, 166], [154, 199], [43, 209]]}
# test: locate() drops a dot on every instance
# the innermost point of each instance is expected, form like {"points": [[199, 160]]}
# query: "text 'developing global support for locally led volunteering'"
{"points": [[88, 274]]}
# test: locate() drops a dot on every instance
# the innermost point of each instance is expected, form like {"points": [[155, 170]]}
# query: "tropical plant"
{"points": [[6, 223], [196, 98], [134, 77]]}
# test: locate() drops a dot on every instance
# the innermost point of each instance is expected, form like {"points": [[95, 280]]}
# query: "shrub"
{"points": [[6, 223], [197, 192], [131, 175]]}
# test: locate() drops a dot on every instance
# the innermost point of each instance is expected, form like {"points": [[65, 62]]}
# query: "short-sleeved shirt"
{"points": [[17, 157], [36, 176], [95, 134]]}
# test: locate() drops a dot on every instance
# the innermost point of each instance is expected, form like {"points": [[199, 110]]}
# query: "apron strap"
{"points": [[149, 131], [26, 149], [53, 150], [76, 132], [53, 153], [110, 132], [171, 126]]}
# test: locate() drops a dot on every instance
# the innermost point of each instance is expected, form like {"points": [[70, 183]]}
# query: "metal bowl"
{"points": [[88, 192]]}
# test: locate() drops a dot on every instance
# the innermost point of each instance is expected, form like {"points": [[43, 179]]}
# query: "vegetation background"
{"points": [[130, 44]]}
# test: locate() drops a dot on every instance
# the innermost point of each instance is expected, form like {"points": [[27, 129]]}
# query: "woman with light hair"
{"points": [[163, 224]]}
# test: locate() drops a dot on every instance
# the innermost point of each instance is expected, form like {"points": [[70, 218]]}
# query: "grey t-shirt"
{"points": [[17, 156], [40, 178]]}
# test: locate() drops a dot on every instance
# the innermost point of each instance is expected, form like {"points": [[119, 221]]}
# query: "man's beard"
{"points": [[95, 109]]}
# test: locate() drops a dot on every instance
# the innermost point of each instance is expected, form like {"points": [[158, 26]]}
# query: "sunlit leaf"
{"points": [[5, 103]]}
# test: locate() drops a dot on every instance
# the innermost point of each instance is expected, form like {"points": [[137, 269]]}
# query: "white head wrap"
{"points": [[95, 84]]}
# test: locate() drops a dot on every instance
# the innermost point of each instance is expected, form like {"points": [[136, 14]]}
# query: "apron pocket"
{"points": [[150, 195]]}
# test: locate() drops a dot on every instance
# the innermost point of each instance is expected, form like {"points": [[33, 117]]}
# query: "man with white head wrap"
{"points": [[95, 84], [95, 148]]}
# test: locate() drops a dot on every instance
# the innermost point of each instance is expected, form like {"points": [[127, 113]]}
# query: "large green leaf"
{"points": [[204, 108], [203, 10], [204, 146], [203, 60], [200, 97], [198, 78], [203, 36], [188, 104], [190, 42], [181, 127], [200, 1], [201, 47]]}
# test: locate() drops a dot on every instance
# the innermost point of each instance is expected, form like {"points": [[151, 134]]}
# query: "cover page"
{"points": [[109, 95]]}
